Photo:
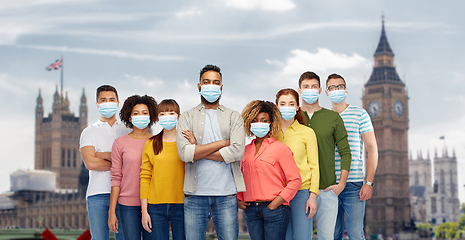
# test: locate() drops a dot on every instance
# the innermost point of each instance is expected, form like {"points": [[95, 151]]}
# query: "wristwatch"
{"points": [[370, 184]]}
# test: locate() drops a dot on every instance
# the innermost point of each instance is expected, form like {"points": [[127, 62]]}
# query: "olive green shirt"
{"points": [[330, 132]]}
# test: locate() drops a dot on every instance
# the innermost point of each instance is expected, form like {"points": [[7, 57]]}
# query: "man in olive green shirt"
{"points": [[330, 132]]}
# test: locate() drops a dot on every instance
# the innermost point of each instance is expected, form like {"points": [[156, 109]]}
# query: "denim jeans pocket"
{"points": [[356, 184]]}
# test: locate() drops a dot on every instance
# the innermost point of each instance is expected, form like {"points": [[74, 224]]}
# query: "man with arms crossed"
{"points": [[330, 132], [213, 175], [95, 146], [360, 130]]}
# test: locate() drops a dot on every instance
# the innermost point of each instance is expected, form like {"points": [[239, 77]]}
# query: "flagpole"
{"points": [[62, 77]]}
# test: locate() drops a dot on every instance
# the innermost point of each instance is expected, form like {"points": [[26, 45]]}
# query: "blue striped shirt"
{"points": [[357, 121]]}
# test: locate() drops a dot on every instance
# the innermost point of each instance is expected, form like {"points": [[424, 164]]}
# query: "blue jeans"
{"points": [[161, 216], [326, 214], [223, 211], [354, 211], [300, 227], [264, 223], [97, 211], [131, 219]]}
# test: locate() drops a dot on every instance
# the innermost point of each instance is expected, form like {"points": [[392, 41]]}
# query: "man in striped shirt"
{"points": [[360, 130]]}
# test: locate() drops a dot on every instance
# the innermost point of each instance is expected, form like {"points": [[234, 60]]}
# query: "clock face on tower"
{"points": [[374, 108], [398, 108]]}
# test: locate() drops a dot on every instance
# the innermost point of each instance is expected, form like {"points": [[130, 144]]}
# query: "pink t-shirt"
{"points": [[126, 158]]}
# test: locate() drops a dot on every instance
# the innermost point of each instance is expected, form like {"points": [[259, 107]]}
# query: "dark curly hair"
{"points": [[250, 112], [132, 101]]}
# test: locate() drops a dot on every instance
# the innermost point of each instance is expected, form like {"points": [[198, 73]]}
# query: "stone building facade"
{"points": [[57, 139], [34, 202], [437, 202]]}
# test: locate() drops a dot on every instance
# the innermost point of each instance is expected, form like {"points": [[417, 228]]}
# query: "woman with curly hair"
{"points": [[162, 178], [138, 113], [270, 174], [302, 141]]}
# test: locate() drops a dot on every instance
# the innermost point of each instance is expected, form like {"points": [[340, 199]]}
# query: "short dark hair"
{"points": [[132, 101], [106, 88], [309, 75], [333, 76], [210, 67]]}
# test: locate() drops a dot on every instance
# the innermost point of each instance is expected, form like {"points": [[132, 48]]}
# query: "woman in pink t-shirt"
{"points": [[270, 173], [137, 113]]}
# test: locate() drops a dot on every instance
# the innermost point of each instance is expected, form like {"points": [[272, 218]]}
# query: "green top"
{"points": [[330, 132]]}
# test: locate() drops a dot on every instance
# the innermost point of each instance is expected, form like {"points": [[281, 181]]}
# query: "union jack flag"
{"points": [[54, 66]]}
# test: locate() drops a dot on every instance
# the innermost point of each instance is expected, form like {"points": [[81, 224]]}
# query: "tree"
{"points": [[462, 221], [463, 208], [424, 230], [448, 230]]}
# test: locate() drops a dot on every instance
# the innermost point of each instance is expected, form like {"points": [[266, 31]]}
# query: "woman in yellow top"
{"points": [[162, 178], [302, 141]]}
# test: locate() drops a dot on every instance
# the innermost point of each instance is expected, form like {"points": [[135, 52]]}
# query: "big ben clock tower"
{"points": [[386, 101]]}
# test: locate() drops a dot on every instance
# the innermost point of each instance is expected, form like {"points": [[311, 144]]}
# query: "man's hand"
{"points": [[242, 205], [189, 136], [311, 206], [104, 155], [337, 189], [365, 192]]}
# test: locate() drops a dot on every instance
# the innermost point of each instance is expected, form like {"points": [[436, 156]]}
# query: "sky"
{"points": [[158, 48]]}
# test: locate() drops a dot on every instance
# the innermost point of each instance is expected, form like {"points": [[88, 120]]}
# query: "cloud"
{"points": [[323, 60], [114, 53], [265, 5], [8, 5], [188, 13], [145, 82]]}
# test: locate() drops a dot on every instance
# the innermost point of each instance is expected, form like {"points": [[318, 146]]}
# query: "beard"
{"points": [[205, 102]]}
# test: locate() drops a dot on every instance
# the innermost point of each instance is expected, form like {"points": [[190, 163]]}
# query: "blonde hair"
{"points": [[256, 107]]}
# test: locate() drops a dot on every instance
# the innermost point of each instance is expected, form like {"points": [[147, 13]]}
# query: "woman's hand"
{"points": [[146, 221], [189, 136], [112, 222], [277, 201], [311, 205], [242, 205]]}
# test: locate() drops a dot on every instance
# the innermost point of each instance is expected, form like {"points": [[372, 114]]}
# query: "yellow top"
{"points": [[162, 175], [302, 141]]}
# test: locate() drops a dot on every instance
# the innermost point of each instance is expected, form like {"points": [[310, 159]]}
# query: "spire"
{"points": [[56, 96], [384, 70], [83, 97], [435, 153], [428, 154], [383, 45], [453, 152], [39, 98], [410, 154]]}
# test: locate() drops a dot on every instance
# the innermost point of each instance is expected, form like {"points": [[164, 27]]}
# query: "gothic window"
{"points": [[443, 208], [69, 158], [74, 158], [417, 179], [63, 157], [433, 205], [442, 183]]}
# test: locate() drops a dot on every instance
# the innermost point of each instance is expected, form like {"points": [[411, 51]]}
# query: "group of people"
{"points": [[304, 161]]}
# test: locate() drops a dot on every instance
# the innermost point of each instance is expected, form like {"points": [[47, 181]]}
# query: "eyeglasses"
{"points": [[338, 87]]}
